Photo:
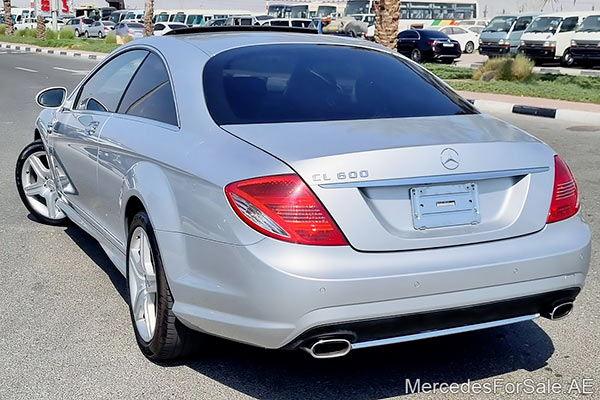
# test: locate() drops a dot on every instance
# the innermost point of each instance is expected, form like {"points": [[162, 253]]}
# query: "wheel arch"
{"points": [[146, 187]]}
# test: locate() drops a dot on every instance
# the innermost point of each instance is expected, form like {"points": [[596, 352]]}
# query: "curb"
{"points": [[56, 52], [552, 113]]}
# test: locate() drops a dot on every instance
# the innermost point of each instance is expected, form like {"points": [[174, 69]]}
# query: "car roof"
{"points": [[429, 32], [216, 41], [569, 14]]}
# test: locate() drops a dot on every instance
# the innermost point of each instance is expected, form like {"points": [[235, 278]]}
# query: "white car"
{"points": [[469, 40], [26, 23], [162, 28], [473, 22]]}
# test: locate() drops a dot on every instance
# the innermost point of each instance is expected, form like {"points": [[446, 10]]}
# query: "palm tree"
{"points": [[386, 22], [8, 18], [148, 17]]}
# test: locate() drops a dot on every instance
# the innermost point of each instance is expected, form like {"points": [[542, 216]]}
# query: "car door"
{"points": [[74, 138], [145, 123], [515, 35], [407, 41], [565, 34]]}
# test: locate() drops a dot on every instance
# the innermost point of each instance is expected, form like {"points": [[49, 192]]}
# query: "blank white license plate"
{"points": [[448, 45], [445, 205]]}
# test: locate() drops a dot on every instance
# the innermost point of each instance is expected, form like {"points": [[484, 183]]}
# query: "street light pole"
{"points": [[54, 13]]}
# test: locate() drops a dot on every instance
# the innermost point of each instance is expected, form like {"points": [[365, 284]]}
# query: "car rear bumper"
{"points": [[273, 294]]}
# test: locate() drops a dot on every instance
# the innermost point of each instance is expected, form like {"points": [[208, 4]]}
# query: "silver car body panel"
{"points": [[229, 280]]}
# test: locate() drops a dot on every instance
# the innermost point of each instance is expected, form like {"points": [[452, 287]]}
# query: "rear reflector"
{"points": [[284, 208], [565, 197]]}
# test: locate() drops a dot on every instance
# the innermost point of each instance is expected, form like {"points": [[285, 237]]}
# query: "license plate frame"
{"points": [[442, 206]]}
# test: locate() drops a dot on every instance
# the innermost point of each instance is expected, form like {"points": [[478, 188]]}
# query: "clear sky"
{"points": [[494, 7]]}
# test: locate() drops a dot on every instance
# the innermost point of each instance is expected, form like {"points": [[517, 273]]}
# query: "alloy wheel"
{"points": [[469, 48], [142, 284], [39, 186], [415, 55]]}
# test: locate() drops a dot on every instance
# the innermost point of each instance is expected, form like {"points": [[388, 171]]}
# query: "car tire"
{"points": [[100, 35], [168, 338], [416, 55], [76, 32], [86, 34], [469, 47], [37, 205], [567, 59]]}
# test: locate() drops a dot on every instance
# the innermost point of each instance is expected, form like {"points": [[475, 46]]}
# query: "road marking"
{"points": [[73, 71], [26, 69]]}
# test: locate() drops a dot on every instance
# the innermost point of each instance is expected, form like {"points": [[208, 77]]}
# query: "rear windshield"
{"points": [[300, 83]]}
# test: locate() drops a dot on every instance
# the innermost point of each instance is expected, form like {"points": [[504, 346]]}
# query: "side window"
{"points": [[522, 24], [569, 24], [150, 94], [159, 27], [105, 88]]}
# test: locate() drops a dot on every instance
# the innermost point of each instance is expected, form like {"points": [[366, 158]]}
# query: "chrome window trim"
{"points": [[73, 98]]}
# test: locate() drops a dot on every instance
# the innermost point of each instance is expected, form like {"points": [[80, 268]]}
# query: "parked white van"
{"points": [[548, 37], [585, 45]]}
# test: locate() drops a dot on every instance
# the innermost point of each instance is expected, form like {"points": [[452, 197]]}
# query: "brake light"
{"points": [[284, 208], [130, 31], [565, 197]]}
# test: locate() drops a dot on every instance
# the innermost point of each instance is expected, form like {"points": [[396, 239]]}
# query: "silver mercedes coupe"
{"points": [[299, 191]]}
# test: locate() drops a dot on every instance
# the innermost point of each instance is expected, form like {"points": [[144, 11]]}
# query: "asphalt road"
{"points": [[65, 330]]}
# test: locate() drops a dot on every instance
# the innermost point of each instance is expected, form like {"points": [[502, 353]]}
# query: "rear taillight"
{"points": [[284, 208], [565, 197]]}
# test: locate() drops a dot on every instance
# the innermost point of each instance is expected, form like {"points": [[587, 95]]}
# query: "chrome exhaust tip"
{"points": [[329, 348], [560, 311]]}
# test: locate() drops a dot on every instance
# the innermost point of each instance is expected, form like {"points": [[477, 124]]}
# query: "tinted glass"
{"points": [[500, 24], [295, 83], [159, 27], [433, 34], [569, 24], [134, 25], [544, 24], [522, 23], [149, 95], [105, 88], [408, 35], [590, 24]]}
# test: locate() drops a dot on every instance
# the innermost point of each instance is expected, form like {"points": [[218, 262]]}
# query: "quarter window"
{"points": [[105, 88], [150, 94]]}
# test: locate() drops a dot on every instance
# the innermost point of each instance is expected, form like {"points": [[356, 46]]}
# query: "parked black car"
{"points": [[421, 45]]}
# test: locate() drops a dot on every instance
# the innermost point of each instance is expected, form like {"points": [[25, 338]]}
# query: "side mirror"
{"points": [[52, 97]]}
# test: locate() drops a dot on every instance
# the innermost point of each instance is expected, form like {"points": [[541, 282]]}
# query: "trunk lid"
{"points": [[385, 183]]}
